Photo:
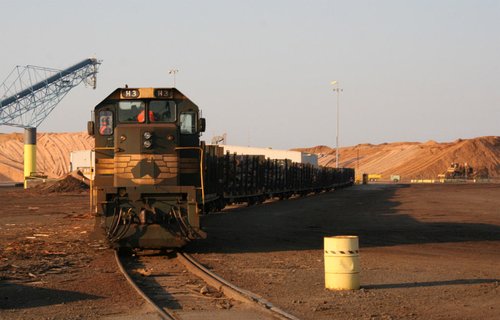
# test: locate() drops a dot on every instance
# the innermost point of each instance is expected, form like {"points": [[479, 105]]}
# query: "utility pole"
{"points": [[337, 89], [174, 72]]}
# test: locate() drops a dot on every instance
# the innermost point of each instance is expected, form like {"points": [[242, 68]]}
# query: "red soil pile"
{"points": [[73, 182], [53, 153], [414, 160], [408, 159]]}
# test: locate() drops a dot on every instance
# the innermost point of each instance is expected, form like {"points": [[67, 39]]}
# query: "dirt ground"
{"points": [[427, 251], [51, 264]]}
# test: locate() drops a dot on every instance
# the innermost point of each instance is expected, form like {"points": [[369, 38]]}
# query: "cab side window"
{"points": [[187, 122], [105, 122]]}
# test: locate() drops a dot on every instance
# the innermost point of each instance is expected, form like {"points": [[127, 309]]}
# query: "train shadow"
{"points": [[373, 212], [20, 296]]}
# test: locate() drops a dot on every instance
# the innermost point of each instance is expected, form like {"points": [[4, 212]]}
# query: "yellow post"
{"points": [[29, 153], [342, 263]]}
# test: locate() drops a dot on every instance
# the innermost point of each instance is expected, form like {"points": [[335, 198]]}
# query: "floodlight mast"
{"points": [[30, 93], [337, 89]]}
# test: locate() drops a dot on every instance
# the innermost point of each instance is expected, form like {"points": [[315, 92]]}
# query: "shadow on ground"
{"points": [[371, 212], [19, 296], [430, 284]]}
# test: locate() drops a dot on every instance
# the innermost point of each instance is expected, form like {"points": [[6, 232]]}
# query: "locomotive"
{"points": [[153, 177]]}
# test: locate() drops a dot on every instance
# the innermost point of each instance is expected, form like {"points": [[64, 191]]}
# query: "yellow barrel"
{"points": [[342, 263]]}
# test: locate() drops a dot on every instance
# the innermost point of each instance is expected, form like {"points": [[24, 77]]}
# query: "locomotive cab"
{"points": [[147, 181]]}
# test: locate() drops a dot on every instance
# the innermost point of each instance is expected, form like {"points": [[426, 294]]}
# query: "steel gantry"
{"points": [[30, 93]]}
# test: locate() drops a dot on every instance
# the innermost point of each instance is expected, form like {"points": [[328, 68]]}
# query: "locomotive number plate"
{"points": [[164, 93], [129, 93]]}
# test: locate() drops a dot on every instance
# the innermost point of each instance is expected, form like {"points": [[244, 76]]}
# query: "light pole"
{"points": [[174, 72], [336, 88]]}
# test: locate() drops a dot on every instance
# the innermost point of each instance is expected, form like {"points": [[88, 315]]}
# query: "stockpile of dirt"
{"points": [[73, 182], [68, 184], [53, 153], [413, 160], [409, 159]]}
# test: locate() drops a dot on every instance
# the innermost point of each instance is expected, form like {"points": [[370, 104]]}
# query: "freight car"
{"points": [[153, 177]]}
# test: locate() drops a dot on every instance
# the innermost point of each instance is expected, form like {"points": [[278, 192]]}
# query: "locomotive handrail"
{"points": [[201, 169]]}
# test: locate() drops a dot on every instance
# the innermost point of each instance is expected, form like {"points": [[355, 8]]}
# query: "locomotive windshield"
{"points": [[163, 110], [130, 111], [158, 111]]}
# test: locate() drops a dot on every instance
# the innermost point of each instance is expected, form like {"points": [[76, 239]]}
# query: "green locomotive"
{"points": [[147, 167]]}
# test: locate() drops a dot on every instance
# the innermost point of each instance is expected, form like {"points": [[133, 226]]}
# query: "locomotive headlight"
{"points": [[147, 135], [147, 144], [170, 137], [123, 138]]}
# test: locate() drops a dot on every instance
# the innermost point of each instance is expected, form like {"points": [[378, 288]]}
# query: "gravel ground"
{"points": [[427, 251], [51, 264]]}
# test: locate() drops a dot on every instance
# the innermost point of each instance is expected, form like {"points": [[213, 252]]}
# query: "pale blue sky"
{"points": [[261, 70]]}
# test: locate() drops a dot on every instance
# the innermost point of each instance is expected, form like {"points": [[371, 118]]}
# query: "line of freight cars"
{"points": [[153, 176], [232, 178]]}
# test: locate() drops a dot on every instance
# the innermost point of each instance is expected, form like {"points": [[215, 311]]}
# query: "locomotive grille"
{"points": [[146, 168], [150, 168]]}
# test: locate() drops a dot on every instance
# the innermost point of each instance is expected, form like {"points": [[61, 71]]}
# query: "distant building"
{"points": [[295, 156], [82, 160]]}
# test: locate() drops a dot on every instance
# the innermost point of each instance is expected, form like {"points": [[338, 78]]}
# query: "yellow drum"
{"points": [[342, 262]]}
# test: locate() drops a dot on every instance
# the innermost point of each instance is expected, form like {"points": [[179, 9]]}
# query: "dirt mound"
{"points": [[319, 150], [11, 136], [408, 159], [417, 160], [68, 184], [73, 182], [53, 153]]}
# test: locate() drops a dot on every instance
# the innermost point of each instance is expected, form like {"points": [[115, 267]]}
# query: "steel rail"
{"points": [[163, 314], [230, 289]]}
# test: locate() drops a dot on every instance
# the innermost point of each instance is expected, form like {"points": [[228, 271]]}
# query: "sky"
{"points": [[261, 71]]}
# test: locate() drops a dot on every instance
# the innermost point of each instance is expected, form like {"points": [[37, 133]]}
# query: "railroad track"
{"points": [[178, 287]]}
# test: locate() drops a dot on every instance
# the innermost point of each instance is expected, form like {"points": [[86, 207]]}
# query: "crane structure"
{"points": [[30, 93]]}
